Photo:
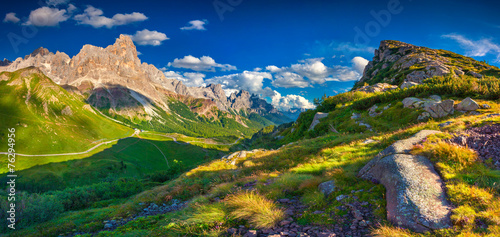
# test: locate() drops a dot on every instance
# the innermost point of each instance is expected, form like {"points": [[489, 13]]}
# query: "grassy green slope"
{"points": [[48, 119]]}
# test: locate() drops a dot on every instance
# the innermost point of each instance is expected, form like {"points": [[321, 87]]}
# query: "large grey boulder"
{"points": [[416, 197], [316, 119], [409, 102], [468, 104], [440, 109]]}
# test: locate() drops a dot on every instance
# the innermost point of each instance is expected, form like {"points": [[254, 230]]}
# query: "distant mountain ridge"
{"points": [[115, 80]]}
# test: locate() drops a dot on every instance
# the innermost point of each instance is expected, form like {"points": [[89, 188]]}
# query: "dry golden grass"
{"points": [[389, 231], [255, 208]]}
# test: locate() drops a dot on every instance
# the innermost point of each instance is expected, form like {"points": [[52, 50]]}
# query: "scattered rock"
{"points": [[372, 111], [408, 84], [445, 124], [341, 197], [475, 74], [468, 104], [355, 116], [484, 140], [379, 87], [251, 233], [368, 141], [424, 116], [415, 195], [327, 187], [486, 106]]}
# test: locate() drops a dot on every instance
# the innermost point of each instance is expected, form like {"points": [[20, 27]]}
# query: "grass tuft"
{"points": [[255, 208]]}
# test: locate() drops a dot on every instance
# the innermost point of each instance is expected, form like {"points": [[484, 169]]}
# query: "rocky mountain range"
{"points": [[114, 78]]}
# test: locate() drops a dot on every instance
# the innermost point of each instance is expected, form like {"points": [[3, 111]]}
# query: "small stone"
{"points": [[445, 124], [486, 106], [327, 187], [251, 233], [318, 212], [340, 197], [284, 200], [363, 223], [285, 222]]}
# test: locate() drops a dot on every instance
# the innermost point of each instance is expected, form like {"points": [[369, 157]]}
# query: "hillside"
{"points": [[48, 119], [380, 160]]}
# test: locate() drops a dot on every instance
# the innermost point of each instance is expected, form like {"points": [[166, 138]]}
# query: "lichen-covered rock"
{"points": [[409, 102], [327, 187], [415, 193], [408, 84], [424, 116], [475, 74], [440, 109], [379, 87], [316, 119], [468, 104]]}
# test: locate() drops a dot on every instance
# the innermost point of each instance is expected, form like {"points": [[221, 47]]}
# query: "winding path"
{"points": [[73, 153]]}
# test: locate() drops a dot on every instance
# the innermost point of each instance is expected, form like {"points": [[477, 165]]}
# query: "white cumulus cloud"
{"points": [[289, 80], [196, 25], [477, 48], [47, 16], [205, 63], [250, 81], [311, 71], [94, 17], [191, 79], [291, 101], [11, 17], [147, 37], [359, 64]]}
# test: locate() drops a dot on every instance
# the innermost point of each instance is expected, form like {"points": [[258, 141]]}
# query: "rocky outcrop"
{"points": [[372, 111], [467, 104], [406, 65], [316, 120], [415, 193]]}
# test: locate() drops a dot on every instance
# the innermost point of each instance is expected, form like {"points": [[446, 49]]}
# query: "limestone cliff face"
{"points": [[107, 73], [396, 63]]}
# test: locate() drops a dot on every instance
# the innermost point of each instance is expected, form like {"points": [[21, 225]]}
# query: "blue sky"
{"points": [[287, 51]]}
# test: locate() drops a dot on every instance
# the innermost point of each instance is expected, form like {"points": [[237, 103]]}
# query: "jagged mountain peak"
{"points": [[123, 46], [39, 51]]}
